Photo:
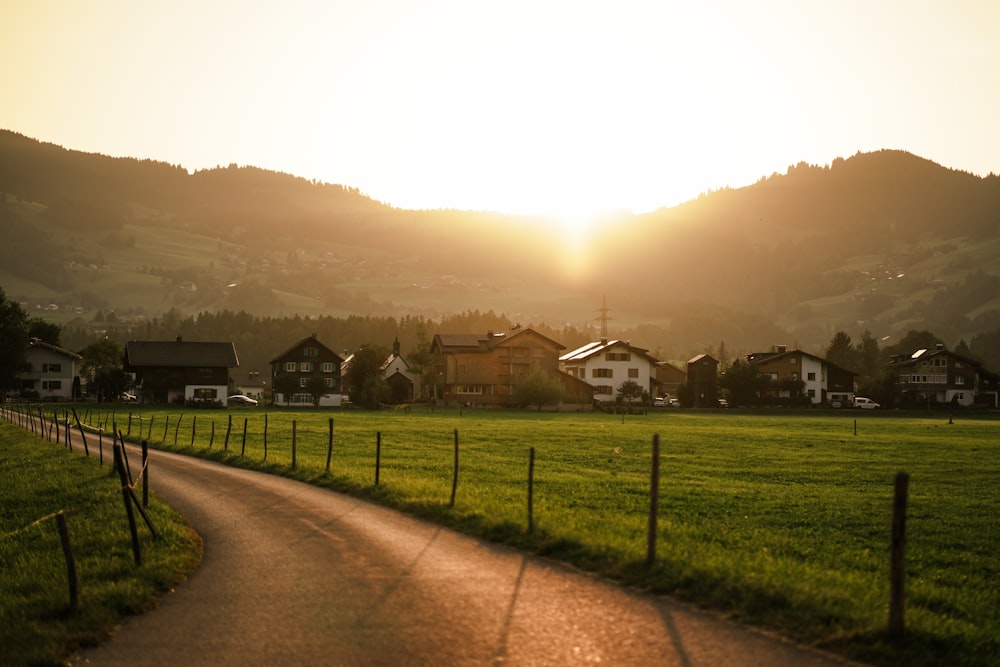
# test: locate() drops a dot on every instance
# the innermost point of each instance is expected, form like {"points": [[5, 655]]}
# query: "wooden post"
{"points": [[531, 490], [454, 479], [855, 427], [194, 426], [129, 431], [70, 563], [294, 442], [178, 427], [166, 428], [654, 498], [145, 474], [120, 466], [897, 570], [83, 436], [211, 438], [378, 454], [149, 436], [229, 429], [265, 437], [243, 447], [329, 448]]}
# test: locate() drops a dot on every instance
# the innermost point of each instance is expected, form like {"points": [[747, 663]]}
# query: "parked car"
{"points": [[240, 399], [128, 398], [660, 402], [674, 403], [865, 403], [723, 403]]}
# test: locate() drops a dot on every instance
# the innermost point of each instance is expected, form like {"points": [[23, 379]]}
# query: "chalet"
{"points": [[606, 364], [669, 378], [50, 372], [798, 374], [944, 377], [298, 365], [180, 371], [702, 382], [474, 369], [405, 385]]}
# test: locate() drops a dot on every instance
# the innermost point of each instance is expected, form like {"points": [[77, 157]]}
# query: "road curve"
{"points": [[295, 575]]}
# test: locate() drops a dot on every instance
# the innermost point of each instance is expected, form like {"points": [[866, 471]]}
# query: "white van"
{"points": [[865, 403]]}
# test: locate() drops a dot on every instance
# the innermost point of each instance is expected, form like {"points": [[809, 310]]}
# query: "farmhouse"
{"points": [[484, 369], [945, 377], [180, 371], [606, 364], [795, 374], [294, 369], [703, 381], [50, 372]]}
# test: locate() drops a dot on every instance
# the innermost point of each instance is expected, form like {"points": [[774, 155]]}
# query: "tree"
{"points": [[538, 389], [285, 384], [743, 383], [868, 355], [364, 377], [421, 361], [317, 388], [13, 341], [841, 351], [629, 390], [102, 365], [46, 332]]}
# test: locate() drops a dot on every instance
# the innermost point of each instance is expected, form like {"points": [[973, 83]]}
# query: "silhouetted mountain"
{"points": [[883, 241]]}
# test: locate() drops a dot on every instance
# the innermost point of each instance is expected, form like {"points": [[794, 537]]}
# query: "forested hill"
{"points": [[886, 242]]}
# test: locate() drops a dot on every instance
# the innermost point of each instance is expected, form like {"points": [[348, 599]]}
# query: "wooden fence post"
{"points": [[265, 437], [83, 436], [329, 448], [211, 438], [654, 497], [294, 442], [133, 530], [243, 447], [166, 428], [194, 426], [897, 571], [454, 479], [70, 563], [531, 490], [229, 429], [177, 428], [378, 454], [145, 474]]}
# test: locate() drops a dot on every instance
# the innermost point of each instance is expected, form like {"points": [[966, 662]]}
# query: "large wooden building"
{"points": [[180, 371]]}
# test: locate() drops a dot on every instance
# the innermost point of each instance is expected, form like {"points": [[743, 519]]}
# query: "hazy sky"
{"points": [[514, 105]]}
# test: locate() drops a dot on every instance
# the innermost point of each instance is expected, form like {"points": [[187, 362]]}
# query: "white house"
{"points": [[606, 364], [51, 371]]}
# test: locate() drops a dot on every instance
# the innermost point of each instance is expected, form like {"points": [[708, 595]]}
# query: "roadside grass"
{"points": [[38, 478], [781, 520]]}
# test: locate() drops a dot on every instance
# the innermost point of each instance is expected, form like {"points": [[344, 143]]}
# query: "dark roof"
{"points": [[308, 339], [187, 354], [466, 342], [54, 348]]}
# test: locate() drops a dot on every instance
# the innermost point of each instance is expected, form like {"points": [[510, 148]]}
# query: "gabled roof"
{"points": [[587, 351], [763, 357], [924, 354], [302, 343], [42, 345], [187, 354], [700, 357], [465, 342]]}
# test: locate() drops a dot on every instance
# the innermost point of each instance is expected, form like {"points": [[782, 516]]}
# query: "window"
{"points": [[468, 389], [959, 380], [327, 366], [811, 377], [303, 382], [633, 373], [602, 373], [812, 393], [793, 360], [52, 368], [290, 366], [604, 389], [310, 352], [329, 382], [306, 367], [795, 376], [51, 384], [205, 393], [617, 356]]}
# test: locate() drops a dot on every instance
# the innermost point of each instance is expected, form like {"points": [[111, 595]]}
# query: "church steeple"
{"points": [[395, 346]]}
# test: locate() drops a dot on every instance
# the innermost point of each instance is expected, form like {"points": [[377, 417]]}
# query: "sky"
{"points": [[517, 106]]}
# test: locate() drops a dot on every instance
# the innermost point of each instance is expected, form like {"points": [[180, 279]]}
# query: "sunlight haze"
{"points": [[517, 107]]}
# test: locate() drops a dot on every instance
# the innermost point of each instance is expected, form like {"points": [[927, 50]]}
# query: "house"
{"points": [[180, 371], [607, 363], [50, 372], [301, 362], [484, 369], [669, 378], [797, 374], [702, 382], [252, 384], [405, 385], [944, 377]]}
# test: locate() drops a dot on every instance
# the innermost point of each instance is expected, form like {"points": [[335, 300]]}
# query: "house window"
{"points": [[633, 373], [602, 373], [329, 382], [604, 389], [793, 360], [811, 377], [795, 376], [469, 389], [327, 366], [959, 380], [310, 352], [206, 393], [303, 382], [290, 366], [617, 356], [811, 393], [51, 384], [306, 367], [52, 368]]}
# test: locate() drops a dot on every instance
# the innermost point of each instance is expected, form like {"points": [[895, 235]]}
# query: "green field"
{"points": [[781, 520]]}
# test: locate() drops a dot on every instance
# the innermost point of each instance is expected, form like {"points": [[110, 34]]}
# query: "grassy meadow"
{"points": [[781, 520], [37, 479]]}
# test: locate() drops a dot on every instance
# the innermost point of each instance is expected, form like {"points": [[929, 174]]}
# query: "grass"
{"points": [[37, 624], [780, 519]]}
